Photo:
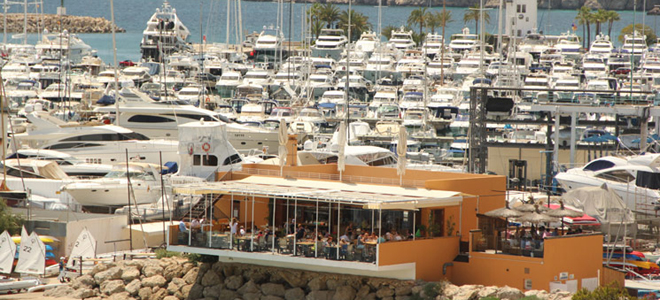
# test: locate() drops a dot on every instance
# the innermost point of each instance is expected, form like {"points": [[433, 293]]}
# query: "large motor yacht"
{"points": [[165, 34], [330, 43], [268, 46], [402, 39]]}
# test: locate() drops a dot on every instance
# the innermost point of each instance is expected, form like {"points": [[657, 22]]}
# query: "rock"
{"points": [[172, 271], [136, 263], [467, 292], [234, 282], [184, 292], [294, 279], [249, 287], [273, 289], [158, 294], [537, 294], [152, 270], [252, 296], [488, 291], [317, 284], [133, 287], [83, 293], [319, 295], [144, 293], [344, 292], [362, 292], [110, 287], [210, 278], [332, 283], [130, 273], [370, 296], [170, 298], [84, 281], [173, 287], [294, 294], [100, 268], [271, 297], [157, 280], [402, 298], [403, 290], [212, 291], [187, 267], [196, 291], [59, 291], [384, 292], [191, 275], [120, 296], [509, 293], [109, 274], [449, 291], [258, 275], [228, 294]]}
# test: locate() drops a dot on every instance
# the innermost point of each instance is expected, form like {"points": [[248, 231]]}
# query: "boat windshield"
{"points": [[133, 174]]}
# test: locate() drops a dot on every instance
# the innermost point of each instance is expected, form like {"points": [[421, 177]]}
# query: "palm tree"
{"points": [[584, 18], [438, 19], [329, 14], [600, 16], [419, 16], [359, 23], [316, 24], [387, 31], [612, 15], [474, 14]]}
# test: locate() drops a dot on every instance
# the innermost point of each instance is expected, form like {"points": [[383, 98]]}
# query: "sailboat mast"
{"points": [[114, 57]]}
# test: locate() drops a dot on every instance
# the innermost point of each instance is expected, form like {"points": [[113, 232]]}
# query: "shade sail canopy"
{"points": [[369, 196]]}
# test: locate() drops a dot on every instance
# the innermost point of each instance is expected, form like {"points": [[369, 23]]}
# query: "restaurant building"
{"points": [[438, 217]]}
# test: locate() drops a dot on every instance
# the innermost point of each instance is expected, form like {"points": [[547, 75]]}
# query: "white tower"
{"points": [[521, 17]]}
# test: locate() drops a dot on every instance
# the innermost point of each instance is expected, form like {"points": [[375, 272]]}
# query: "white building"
{"points": [[521, 17]]}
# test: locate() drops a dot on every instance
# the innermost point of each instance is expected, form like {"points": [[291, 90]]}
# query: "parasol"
{"points": [[504, 212], [283, 138], [401, 149], [563, 212], [537, 217]]}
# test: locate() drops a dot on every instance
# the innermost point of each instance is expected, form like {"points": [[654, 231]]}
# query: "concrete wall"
{"points": [[577, 255], [429, 255], [104, 229], [498, 159]]}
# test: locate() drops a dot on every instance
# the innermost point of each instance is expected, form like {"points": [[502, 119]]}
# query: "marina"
{"points": [[313, 137]]}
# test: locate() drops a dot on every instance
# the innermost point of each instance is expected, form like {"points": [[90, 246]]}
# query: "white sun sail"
{"points": [[7, 253], [31, 255], [85, 247]]}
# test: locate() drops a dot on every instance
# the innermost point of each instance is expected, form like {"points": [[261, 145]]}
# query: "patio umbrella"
{"points": [[537, 217], [530, 206], [504, 212], [563, 212], [401, 149], [283, 138], [341, 156]]}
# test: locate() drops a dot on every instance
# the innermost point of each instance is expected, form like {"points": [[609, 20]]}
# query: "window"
{"points": [[108, 137], [519, 32], [524, 8], [71, 146], [149, 119], [617, 175], [598, 165], [205, 160], [518, 8], [233, 159]]}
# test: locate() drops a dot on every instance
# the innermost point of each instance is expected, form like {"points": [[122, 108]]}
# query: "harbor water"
{"points": [[132, 16]]}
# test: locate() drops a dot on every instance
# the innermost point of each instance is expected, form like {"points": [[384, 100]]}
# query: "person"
{"points": [[195, 224], [182, 227], [344, 237], [397, 237], [241, 232], [62, 276], [234, 227], [383, 238], [300, 234], [556, 232]]}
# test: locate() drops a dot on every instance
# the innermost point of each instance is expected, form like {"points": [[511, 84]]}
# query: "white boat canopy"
{"points": [[370, 196]]}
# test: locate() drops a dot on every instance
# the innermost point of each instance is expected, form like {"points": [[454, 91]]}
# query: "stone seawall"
{"points": [[176, 279], [74, 24], [543, 4]]}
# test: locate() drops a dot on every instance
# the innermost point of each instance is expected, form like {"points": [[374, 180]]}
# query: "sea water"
{"points": [[209, 18]]}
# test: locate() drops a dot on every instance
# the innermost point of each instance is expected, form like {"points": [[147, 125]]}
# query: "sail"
{"points": [[7, 252], [85, 247], [31, 255]]}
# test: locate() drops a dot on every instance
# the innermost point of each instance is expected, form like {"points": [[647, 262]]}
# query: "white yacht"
{"points": [[378, 66], [632, 179], [112, 189], [402, 39], [64, 45], [330, 43], [634, 44], [464, 41], [367, 42], [569, 44], [165, 34], [226, 85], [593, 66], [268, 46], [432, 45], [601, 45], [70, 165]]}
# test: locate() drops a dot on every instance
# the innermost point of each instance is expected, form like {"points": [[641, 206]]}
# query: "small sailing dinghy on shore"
{"points": [[83, 252], [27, 263]]}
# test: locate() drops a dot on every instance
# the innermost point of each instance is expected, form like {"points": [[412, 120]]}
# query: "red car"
{"points": [[620, 71], [126, 63]]}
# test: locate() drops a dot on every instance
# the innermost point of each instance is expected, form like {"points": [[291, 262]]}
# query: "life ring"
{"points": [[206, 147], [208, 99], [190, 149]]}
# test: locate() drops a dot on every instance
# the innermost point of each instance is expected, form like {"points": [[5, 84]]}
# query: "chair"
{"points": [[261, 243], [350, 254], [283, 246], [343, 252]]}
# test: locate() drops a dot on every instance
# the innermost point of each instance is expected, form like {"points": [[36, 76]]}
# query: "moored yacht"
{"points": [[330, 43], [165, 34], [402, 39]]}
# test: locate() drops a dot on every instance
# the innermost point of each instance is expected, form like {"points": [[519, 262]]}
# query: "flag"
{"points": [[574, 27], [204, 38]]}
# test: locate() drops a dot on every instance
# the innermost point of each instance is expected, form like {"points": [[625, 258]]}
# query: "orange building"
{"points": [[439, 216]]}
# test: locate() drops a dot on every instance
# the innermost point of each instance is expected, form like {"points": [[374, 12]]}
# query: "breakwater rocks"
{"points": [[174, 279], [74, 24]]}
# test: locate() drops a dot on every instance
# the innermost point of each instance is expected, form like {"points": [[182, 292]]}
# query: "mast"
{"points": [[348, 76], [499, 36], [114, 57]]}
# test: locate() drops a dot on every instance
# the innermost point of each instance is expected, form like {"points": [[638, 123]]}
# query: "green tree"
{"points": [[419, 17], [314, 15], [584, 18], [438, 19], [599, 17], [329, 14], [473, 14], [612, 291], [359, 23], [646, 30], [612, 16], [387, 31], [8, 221]]}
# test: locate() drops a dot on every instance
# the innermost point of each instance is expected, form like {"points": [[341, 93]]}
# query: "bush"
{"points": [[612, 291], [201, 258], [161, 253]]}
